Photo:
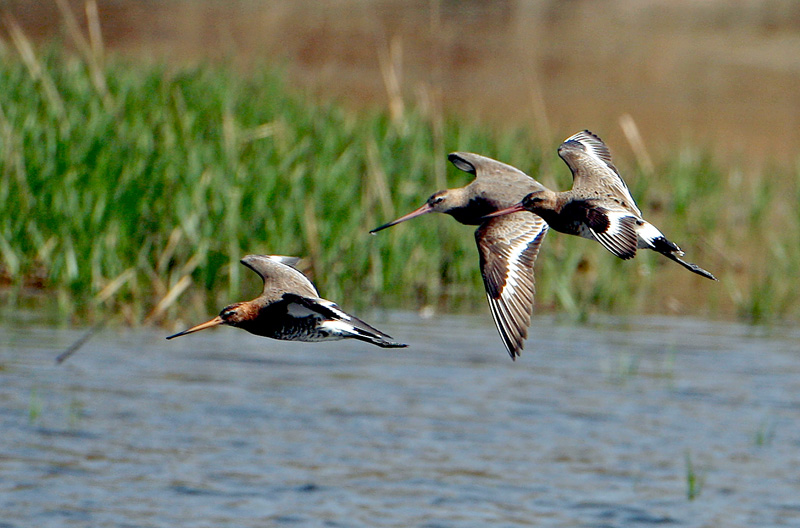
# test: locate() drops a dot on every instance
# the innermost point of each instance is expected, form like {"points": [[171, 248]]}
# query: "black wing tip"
{"points": [[515, 349], [582, 135], [461, 162], [592, 134], [513, 343]]}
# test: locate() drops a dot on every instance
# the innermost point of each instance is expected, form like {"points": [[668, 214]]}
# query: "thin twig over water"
{"points": [[80, 342]]}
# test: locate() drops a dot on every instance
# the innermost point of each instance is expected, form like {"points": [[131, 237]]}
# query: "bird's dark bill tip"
{"points": [[173, 336], [384, 226], [426, 208], [208, 324]]}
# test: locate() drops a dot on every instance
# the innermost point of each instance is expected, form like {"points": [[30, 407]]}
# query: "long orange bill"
{"points": [[214, 322], [508, 210], [413, 214]]}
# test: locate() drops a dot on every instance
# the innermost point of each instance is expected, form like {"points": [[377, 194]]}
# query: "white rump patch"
{"points": [[647, 233]]}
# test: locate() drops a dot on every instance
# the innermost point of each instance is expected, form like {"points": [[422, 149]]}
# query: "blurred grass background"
{"points": [[132, 188]]}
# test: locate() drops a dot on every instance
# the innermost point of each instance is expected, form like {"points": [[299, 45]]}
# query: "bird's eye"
{"points": [[228, 312], [438, 200], [531, 198]]}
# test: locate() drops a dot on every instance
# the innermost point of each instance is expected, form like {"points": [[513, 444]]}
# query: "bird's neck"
{"points": [[550, 207], [246, 314], [473, 211]]}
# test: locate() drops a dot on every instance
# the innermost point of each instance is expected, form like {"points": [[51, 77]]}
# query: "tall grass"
{"points": [[133, 188]]}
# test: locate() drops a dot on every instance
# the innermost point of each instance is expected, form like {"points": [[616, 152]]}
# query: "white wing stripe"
{"points": [[512, 310], [615, 225], [332, 306]]}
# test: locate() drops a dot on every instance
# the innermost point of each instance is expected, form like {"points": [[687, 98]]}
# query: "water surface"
{"points": [[593, 426]]}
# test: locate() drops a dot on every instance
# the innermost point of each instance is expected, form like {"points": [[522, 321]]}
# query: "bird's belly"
{"points": [[295, 329], [576, 228]]}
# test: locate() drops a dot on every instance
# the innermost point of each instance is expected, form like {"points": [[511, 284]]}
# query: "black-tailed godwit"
{"points": [[599, 206], [507, 246], [290, 308]]}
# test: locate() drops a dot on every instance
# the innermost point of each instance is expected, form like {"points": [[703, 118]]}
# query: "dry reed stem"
{"points": [[9, 256], [192, 264], [169, 250], [171, 296], [636, 142], [260, 132], [95, 35], [312, 236], [97, 62], [13, 150], [112, 287], [541, 123], [37, 73], [229, 135], [437, 125], [378, 186], [391, 62], [73, 28], [92, 50]]}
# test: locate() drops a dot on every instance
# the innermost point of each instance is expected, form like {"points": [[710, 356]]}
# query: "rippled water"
{"points": [[593, 426]]}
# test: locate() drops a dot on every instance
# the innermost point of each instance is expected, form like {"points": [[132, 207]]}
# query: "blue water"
{"points": [[594, 426]]}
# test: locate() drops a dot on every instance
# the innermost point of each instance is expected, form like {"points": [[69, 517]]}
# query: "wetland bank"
{"points": [[137, 184]]}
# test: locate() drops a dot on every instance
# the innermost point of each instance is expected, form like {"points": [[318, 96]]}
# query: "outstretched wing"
{"points": [[279, 275], [335, 320], [498, 176], [508, 246], [592, 171]]}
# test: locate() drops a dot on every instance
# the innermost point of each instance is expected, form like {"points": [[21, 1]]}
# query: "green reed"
{"points": [[138, 195]]}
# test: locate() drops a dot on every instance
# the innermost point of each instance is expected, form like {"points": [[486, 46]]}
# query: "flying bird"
{"points": [[507, 246], [290, 308], [599, 206]]}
